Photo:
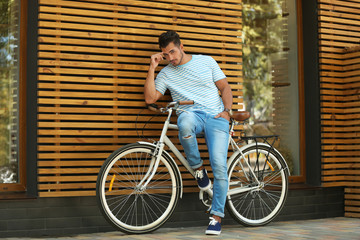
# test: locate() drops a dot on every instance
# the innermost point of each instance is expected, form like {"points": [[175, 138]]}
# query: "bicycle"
{"points": [[139, 184]]}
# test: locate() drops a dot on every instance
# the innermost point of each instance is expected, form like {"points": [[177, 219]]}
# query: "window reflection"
{"points": [[9, 56], [271, 74]]}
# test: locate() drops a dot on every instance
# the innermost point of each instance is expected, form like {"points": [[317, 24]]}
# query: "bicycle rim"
{"points": [[259, 206], [123, 203]]}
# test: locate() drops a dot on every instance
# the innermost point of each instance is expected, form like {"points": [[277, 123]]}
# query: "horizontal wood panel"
{"points": [[197, 6], [114, 58], [139, 24], [121, 33], [116, 11], [235, 48], [342, 165], [118, 18], [339, 37], [93, 59]]}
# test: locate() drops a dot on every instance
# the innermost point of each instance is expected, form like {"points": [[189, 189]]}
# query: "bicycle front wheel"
{"points": [[264, 199], [127, 205]]}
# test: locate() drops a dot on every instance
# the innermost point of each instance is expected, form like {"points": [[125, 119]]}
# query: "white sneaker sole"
{"points": [[212, 232]]}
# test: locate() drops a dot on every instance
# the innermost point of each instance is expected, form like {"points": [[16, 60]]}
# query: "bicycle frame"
{"points": [[164, 140]]}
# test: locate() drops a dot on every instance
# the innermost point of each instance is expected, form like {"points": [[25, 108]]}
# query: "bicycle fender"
{"points": [[169, 158], [257, 144]]}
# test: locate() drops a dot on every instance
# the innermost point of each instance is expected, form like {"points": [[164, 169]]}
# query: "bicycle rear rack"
{"points": [[264, 138]]}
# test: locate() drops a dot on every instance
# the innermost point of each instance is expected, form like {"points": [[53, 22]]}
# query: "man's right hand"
{"points": [[156, 59], [150, 92]]}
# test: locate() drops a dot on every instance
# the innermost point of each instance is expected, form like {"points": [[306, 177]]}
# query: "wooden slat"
{"points": [[352, 202], [353, 3], [93, 59]]}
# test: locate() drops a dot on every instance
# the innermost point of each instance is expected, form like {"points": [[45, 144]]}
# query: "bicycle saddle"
{"points": [[240, 116]]}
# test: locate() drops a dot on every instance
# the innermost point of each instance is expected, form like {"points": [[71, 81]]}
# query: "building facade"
{"points": [[82, 67]]}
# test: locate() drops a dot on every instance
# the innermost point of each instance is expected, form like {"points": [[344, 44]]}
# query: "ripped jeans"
{"points": [[216, 132]]}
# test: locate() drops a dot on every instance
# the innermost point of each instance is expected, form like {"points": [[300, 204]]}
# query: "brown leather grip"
{"points": [[189, 102]]}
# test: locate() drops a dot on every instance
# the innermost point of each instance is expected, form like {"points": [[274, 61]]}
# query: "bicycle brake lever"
{"points": [[154, 107]]}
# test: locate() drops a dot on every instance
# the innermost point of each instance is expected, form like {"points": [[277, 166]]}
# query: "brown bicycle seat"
{"points": [[240, 116]]}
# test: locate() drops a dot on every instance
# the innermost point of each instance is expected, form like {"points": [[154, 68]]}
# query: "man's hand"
{"points": [[150, 92], [224, 114], [156, 59]]}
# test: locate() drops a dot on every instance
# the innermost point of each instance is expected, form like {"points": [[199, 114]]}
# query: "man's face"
{"points": [[174, 54]]}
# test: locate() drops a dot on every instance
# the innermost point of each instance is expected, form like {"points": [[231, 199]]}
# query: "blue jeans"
{"points": [[216, 132]]}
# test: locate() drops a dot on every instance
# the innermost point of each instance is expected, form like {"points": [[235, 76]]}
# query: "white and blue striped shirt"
{"points": [[194, 80]]}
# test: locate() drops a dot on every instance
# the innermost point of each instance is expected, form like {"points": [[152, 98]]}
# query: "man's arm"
{"points": [[150, 92], [226, 96]]}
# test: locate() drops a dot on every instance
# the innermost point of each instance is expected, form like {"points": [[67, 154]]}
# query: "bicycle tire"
{"points": [[133, 210], [258, 207]]}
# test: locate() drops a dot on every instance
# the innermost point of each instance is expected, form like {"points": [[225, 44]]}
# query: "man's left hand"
{"points": [[224, 114]]}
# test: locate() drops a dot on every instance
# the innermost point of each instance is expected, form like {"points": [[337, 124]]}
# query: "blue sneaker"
{"points": [[214, 227], [202, 179]]}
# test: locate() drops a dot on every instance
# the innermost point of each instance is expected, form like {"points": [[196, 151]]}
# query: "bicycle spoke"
{"points": [[263, 203], [264, 200], [126, 204]]}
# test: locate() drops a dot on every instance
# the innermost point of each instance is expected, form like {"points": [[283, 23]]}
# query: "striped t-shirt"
{"points": [[194, 80]]}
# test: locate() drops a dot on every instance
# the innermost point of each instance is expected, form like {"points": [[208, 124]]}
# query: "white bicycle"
{"points": [[139, 184]]}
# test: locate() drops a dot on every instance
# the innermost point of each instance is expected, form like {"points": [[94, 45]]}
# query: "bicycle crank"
{"points": [[205, 197]]}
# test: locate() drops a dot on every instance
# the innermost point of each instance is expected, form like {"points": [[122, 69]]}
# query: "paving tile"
{"points": [[328, 228]]}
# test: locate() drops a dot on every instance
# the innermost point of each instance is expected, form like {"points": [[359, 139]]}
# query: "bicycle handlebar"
{"points": [[154, 107], [238, 116]]}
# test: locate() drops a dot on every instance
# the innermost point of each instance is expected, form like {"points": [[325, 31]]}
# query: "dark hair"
{"points": [[168, 37]]}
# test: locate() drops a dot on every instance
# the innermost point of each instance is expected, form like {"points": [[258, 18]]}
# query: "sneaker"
{"points": [[214, 227], [202, 179]]}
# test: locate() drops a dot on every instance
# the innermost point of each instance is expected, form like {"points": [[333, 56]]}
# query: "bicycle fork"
{"points": [[156, 155], [154, 163]]}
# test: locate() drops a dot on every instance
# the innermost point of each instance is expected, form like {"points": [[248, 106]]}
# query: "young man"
{"points": [[198, 78]]}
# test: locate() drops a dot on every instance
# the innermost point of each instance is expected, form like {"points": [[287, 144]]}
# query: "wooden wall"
{"points": [[352, 117], [93, 58], [339, 37]]}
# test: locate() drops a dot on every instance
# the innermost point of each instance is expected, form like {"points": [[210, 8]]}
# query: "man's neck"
{"points": [[186, 59]]}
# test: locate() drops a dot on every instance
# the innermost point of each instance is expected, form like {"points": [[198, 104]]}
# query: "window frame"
{"points": [[20, 186], [301, 178]]}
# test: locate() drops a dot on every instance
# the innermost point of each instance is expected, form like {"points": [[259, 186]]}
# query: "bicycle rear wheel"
{"points": [[123, 203], [261, 205]]}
